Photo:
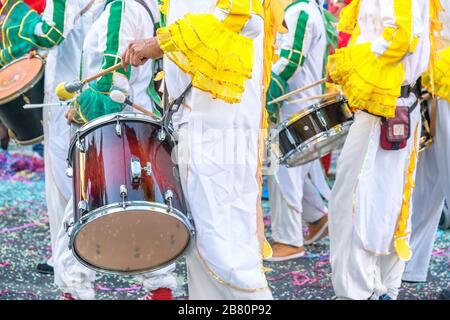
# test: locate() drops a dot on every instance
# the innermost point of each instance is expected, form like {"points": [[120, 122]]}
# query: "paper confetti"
{"points": [[25, 242]]}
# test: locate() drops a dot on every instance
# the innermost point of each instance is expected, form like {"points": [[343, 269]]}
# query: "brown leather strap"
{"points": [[433, 116]]}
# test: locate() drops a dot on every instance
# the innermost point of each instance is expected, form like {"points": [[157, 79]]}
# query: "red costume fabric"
{"points": [[37, 5]]}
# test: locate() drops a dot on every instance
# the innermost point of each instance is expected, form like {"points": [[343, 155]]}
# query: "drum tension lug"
{"points": [[168, 195], [118, 128], [69, 172], [83, 206], [135, 170], [123, 194], [80, 145], [68, 225], [161, 134]]}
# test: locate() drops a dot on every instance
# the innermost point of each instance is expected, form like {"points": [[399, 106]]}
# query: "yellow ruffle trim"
{"points": [[218, 60], [401, 244], [441, 76], [367, 82]]}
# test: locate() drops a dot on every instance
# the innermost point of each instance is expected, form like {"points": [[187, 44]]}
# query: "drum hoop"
{"points": [[319, 137], [143, 205], [30, 142], [312, 109], [107, 119], [30, 85]]}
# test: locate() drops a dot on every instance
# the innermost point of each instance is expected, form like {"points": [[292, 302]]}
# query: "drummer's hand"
{"points": [[329, 79], [69, 116], [31, 54], [426, 96], [140, 51]]}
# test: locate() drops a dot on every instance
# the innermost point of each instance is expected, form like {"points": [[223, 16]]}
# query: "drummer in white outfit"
{"points": [[433, 180], [293, 195], [218, 141], [120, 23], [60, 66], [61, 30], [370, 201]]}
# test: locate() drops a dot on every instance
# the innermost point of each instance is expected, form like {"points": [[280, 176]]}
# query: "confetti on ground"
{"points": [[25, 242]]}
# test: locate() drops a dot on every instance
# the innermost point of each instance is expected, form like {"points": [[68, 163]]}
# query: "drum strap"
{"points": [[174, 105], [85, 9], [149, 13]]}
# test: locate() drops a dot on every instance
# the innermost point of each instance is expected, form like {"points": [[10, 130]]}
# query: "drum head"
{"points": [[132, 240], [19, 76]]}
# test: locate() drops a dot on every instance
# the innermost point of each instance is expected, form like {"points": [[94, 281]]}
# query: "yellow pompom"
{"points": [[267, 251], [62, 93], [403, 249]]}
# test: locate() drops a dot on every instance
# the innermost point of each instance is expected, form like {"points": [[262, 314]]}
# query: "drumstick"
{"points": [[322, 96], [119, 97], [41, 105], [296, 91], [66, 90], [102, 73]]}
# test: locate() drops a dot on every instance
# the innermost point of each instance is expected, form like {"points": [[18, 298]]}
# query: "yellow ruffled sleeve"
{"points": [[367, 82], [213, 52], [349, 17], [371, 74]]}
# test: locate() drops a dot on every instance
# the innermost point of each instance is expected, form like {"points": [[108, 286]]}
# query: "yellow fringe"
{"points": [[218, 59], [401, 244], [367, 82], [441, 87], [273, 24]]}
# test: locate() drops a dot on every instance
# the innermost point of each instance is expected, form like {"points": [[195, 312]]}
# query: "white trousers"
{"points": [[432, 187], [204, 283], [293, 198], [55, 197], [72, 277], [358, 272], [203, 286]]}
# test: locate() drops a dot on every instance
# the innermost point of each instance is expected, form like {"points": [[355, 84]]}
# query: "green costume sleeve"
{"points": [[95, 101], [18, 31], [92, 103], [278, 87]]}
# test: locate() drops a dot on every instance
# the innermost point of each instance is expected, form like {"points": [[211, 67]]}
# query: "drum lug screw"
{"points": [[123, 194], [69, 172], [68, 225], [161, 135], [118, 130], [148, 169], [168, 195], [80, 145], [83, 206], [118, 127]]}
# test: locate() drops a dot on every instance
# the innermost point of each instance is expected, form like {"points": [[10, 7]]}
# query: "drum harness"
{"points": [[168, 107]]}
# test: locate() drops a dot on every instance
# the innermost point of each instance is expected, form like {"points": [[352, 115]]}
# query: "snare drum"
{"points": [[130, 214], [312, 133], [22, 82], [426, 140]]}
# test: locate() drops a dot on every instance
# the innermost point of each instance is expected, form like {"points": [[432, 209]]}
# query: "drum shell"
{"points": [[320, 119], [104, 167], [25, 124]]}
